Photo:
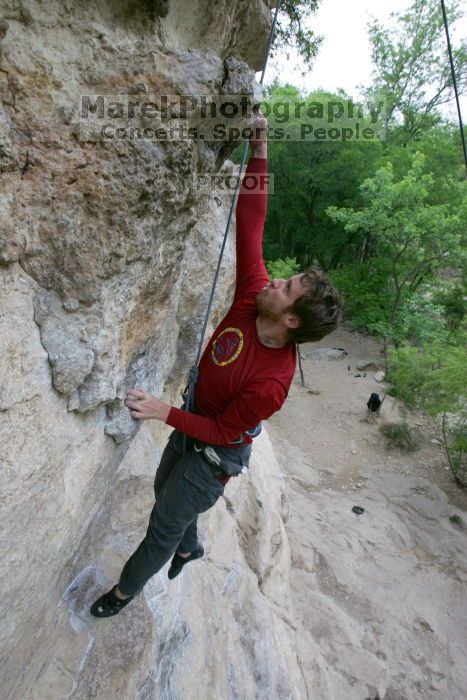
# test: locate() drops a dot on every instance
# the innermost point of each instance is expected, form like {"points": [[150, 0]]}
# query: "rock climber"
{"points": [[244, 377]]}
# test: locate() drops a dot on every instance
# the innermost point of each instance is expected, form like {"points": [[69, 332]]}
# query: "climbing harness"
{"points": [[454, 81], [189, 393]]}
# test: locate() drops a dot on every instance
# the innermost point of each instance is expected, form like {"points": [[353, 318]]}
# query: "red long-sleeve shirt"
{"points": [[241, 381]]}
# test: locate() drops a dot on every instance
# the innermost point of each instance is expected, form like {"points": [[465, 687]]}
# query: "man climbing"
{"points": [[244, 377]]}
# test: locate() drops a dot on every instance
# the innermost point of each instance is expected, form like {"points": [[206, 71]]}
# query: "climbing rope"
{"points": [[189, 393], [454, 81]]}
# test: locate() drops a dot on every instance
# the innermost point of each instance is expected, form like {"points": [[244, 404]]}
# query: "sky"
{"points": [[344, 59]]}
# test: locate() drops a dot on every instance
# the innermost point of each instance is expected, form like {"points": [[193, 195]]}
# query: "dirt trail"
{"points": [[382, 595]]}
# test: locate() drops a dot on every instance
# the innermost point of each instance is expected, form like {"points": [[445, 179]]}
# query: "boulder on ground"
{"points": [[369, 364], [326, 354]]}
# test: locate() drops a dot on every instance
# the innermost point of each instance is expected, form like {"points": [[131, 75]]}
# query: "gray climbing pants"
{"points": [[185, 486]]}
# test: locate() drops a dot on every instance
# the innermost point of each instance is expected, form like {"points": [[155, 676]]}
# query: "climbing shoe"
{"points": [[179, 562], [108, 604]]}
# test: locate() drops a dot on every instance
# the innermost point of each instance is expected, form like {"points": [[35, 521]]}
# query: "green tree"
{"points": [[308, 178], [403, 241], [412, 68], [443, 159]]}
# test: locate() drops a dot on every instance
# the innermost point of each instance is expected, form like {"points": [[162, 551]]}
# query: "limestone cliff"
{"points": [[106, 255]]}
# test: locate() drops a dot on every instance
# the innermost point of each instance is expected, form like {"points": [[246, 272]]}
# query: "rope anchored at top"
{"points": [[189, 392], [454, 81]]}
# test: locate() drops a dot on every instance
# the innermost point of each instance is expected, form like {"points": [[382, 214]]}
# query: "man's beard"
{"points": [[264, 311]]}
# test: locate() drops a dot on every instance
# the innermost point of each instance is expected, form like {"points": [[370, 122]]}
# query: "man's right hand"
{"points": [[259, 142]]}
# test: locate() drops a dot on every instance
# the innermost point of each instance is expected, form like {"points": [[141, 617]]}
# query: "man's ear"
{"points": [[292, 321]]}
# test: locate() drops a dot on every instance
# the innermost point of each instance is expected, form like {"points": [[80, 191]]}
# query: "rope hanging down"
{"points": [[189, 392], [454, 81]]}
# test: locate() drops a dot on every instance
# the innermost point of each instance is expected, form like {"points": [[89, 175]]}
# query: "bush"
{"points": [[456, 520], [435, 379], [399, 435], [458, 448]]}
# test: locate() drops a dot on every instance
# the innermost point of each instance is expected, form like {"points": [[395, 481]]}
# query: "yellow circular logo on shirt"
{"points": [[227, 346]]}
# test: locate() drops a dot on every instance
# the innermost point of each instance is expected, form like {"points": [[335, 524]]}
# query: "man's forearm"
{"points": [[259, 143]]}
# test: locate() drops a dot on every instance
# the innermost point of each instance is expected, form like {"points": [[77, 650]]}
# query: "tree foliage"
{"points": [[411, 65], [282, 269], [308, 178], [292, 30], [402, 241]]}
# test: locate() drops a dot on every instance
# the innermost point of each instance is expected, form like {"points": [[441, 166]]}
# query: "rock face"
{"points": [[107, 251], [226, 617]]}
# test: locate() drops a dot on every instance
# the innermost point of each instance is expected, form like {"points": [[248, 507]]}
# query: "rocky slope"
{"points": [[378, 597]]}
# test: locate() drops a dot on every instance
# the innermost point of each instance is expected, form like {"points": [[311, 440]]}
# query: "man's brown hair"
{"points": [[318, 308]]}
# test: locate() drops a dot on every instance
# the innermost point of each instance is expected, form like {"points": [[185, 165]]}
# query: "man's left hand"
{"points": [[259, 144], [144, 406]]}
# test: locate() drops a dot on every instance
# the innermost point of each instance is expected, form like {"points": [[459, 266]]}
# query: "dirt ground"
{"points": [[329, 417], [382, 592]]}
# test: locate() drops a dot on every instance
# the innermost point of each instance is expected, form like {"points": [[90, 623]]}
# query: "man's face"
{"points": [[278, 296]]}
